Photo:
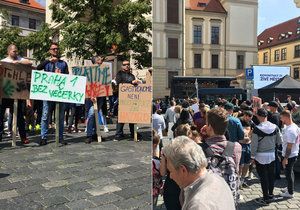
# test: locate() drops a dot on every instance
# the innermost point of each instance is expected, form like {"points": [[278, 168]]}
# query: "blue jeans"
{"points": [[90, 116], [48, 107]]}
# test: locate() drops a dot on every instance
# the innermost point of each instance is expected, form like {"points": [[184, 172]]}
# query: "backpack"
{"points": [[223, 165], [157, 179]]}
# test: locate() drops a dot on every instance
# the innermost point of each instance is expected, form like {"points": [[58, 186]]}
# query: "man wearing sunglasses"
{"points": [[125, 76], [53, 64]]}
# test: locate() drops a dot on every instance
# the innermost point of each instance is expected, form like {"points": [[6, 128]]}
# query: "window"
{"points": [[24, 1], [283, 54], [298, 30], [173, 11], [214, 61], [32, 23], [215, 33], [15, 20], [201, 4], [172, 48], [297, 51], [296, 73], [276, 55], [197, 34], [197, 61], [265, 57], [240, 61], [171, 74]]}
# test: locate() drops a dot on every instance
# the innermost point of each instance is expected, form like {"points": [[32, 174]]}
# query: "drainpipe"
{"points": [[183, 38], [225, 43]]}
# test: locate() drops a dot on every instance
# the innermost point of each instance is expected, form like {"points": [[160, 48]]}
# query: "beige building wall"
{"points": [[238, 32], [241, 33], [290, 60], [206, 49], [162, 65]]}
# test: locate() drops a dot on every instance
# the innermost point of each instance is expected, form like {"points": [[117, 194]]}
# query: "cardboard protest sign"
{"points": [[15, 80], [98, 79], [57, 87], [135, 103], [256, 103]]}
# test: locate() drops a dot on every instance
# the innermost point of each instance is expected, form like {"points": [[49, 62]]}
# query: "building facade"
{"points": [[280, 45], [167, 42], [28, 15], [216, 39]]}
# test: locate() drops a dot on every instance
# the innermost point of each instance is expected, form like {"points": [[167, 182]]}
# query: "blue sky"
{"points": [[273, 12], [42, 2]]}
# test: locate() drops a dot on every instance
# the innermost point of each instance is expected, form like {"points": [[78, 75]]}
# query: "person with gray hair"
{"points": [[187, 164]]}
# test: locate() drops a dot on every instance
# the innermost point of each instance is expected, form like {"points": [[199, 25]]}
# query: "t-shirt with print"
{"points": [[290, 135]]}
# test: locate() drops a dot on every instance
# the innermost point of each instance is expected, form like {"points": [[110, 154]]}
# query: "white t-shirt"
{"points": [[195, 108], [290, 134], [9, 60]]}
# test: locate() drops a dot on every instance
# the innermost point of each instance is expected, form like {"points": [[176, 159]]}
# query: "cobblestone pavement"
{"points": [[107, 175]]}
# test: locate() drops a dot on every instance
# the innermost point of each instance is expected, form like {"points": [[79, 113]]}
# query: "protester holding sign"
{"points": [[12, 52], [53, 64], [125, 76]]}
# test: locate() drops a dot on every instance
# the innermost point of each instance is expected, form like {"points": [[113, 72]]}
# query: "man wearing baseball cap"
{"points": [[264, 139]]}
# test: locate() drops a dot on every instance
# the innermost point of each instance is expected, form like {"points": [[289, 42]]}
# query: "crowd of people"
{"points": [[38, 115], [201, 150]]}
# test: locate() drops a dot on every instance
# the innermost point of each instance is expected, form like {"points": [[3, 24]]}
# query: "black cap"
{"points": [[262, 112], [273, 104]]}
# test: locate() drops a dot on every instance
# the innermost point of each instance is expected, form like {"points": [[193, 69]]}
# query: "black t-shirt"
{"points": [[247, 124], [275, 119]]}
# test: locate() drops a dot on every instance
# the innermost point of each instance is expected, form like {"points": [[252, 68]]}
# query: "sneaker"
{"points": [[262, 201], [106, 129], [88, 140], [43, 142], [286, 195], [283, 190]]}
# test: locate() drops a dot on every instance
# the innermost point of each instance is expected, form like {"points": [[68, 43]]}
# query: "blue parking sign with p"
{"points": [[249, 74]]}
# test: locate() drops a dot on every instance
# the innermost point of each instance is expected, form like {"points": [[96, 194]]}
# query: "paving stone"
{"points": [[130, 192], [54, 200], [52, 184], [13, 179], [8, 194], [80, 204], [68, 166], [79, 186], [103, 190], [106, 207], [118, 166], [105, 199]]}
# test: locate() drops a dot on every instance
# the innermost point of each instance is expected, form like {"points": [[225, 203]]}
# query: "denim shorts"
{"points": [[246, 154]]}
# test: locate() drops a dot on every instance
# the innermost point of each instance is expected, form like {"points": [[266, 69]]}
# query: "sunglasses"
{"points": [[54, 48], [125, 64]]}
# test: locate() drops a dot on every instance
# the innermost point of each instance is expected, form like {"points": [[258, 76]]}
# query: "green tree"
{"points": [[10, 35], [40, 42], [92, 27]]}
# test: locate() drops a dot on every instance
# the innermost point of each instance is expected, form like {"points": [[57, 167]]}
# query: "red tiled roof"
{"points": [[276, 31], [31, 4], [205, 5]]}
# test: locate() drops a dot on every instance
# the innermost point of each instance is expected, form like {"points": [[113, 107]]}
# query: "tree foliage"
{"points": [[40, 42], [92, 27], [10, 35]]}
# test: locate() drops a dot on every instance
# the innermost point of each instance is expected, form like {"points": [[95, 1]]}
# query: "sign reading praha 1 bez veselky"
{"points": [[57, 87], [15, 80], [98, 79], [135, 103]]}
